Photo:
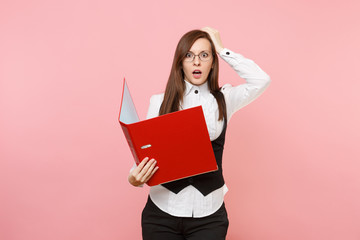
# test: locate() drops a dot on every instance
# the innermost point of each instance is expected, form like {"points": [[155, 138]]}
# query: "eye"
{"points": [[204, 55], [189, 55]]}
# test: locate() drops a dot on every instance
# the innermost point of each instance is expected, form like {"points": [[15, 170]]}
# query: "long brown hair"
{"points": [[175, 86]]}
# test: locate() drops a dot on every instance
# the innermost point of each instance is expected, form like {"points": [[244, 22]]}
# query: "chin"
{"points": [[197, 81]]}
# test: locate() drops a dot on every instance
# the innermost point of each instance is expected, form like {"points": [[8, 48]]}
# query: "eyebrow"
{"points": [[201, 51]]}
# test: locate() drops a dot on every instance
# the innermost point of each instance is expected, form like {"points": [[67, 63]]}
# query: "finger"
{"points": [[141, 165], [147, 166], [137, 172], [209, 30], [152, 173], [206, 29], [139, 177], [147, 175]]}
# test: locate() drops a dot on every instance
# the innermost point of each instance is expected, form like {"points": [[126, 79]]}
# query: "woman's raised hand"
{"points": [[215, 37], [143, 172]]}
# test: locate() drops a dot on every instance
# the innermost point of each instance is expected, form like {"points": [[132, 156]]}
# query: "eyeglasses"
{"points": [[204, 56]]}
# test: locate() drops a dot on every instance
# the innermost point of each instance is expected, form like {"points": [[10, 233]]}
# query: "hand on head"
{"points": [[215, 37]]}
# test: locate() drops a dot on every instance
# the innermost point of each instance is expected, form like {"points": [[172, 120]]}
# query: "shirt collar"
{"points": [[203, 88]]}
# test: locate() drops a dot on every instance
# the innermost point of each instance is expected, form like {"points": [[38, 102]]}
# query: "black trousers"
{"points": [[158, 225]]}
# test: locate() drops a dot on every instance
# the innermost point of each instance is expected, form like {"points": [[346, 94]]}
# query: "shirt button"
{"points": [[196, 91], [227, 53]]}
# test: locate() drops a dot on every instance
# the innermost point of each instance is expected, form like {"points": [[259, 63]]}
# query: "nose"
{"points": [[197, 61]]}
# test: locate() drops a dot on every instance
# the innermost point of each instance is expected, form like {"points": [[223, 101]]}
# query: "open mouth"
{"points": [[196, 73]]}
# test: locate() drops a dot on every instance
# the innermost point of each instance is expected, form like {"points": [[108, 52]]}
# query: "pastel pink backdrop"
{"points": [[291, 157]]}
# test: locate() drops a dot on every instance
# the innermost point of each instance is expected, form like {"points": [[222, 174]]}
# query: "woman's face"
{"points": [[196, 72]]}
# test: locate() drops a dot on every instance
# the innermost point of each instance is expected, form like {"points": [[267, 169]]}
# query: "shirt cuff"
{"points": [[232, 58], [226, 53]]}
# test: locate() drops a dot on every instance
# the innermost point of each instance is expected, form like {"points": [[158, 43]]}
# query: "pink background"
{"points": [[291, 158]]}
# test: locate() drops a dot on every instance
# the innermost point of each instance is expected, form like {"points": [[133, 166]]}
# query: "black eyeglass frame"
{"points": [[198, 55]]}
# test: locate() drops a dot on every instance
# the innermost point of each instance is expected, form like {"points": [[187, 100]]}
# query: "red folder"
{"points": [[178, 141]]}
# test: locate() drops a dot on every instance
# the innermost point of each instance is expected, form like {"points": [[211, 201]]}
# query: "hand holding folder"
{"points": [[143, 172], [178, 141]]}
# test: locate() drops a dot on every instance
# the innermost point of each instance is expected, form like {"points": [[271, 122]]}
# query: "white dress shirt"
{"points": [[189, 202]]}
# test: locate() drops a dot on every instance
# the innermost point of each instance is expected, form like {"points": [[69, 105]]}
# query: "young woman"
{"points": [[193, 208]]}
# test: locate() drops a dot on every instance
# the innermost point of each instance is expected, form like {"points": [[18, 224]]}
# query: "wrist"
{"points": [[219, 49]]}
